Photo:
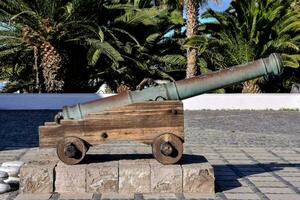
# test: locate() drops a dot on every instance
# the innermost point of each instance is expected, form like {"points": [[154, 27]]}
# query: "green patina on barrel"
{"points": [[183, 89]]}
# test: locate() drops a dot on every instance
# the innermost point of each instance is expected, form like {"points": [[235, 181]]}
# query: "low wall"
{"points": [[201, 102]]}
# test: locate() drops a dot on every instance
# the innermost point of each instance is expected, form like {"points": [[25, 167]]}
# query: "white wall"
{"points": [[243, 102], [206, 101], [42, 101]]}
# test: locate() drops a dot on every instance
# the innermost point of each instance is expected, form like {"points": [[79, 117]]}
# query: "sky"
{"points": [[219, 7], [223, 5]]}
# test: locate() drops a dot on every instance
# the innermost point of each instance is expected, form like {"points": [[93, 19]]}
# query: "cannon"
{"points": [[152, 116]]}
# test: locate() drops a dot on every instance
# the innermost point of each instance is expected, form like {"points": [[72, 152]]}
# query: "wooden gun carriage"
{"points": [[152, 116]]}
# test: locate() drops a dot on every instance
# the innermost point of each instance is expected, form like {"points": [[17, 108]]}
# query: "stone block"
{"points": [[166, 178], [198, 178], [37, 177], [81, 196], [70, 178], [116, 196], [102, 177], [134, 178], [123, 177], [199, 196], [159, 196], [33, 197]]}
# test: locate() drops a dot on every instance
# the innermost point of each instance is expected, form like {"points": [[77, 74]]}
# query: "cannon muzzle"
{"points": [[183, 89]]}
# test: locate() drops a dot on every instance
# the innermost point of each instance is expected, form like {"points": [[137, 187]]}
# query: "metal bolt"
{"points": [[174, 111], [104, 135], [166, 148]]}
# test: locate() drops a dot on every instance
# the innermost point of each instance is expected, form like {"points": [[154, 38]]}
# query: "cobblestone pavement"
{"points": [[256, 155]]}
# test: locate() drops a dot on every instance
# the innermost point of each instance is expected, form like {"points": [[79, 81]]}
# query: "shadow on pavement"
{"points": [[228, 176], [98, 158]]}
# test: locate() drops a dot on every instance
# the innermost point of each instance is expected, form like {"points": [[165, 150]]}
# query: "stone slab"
{"points": [[70, 178], [81, 196], [166, 178], [198, 178], [109, 196], [102, 177], [134, 178], [111, 177], [33, 197], [37, 177]]}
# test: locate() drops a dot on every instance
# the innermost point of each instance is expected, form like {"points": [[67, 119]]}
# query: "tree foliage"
{"points": [[249, 30], [79, 43]]}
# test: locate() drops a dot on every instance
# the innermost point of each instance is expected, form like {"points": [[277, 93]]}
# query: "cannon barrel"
{"points": [[183, 89]]}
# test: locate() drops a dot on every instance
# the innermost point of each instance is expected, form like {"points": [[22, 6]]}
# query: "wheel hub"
{"points": [[166, 148], [70, 150]]}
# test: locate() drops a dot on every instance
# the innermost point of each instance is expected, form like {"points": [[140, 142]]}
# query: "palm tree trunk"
{"points": [[36, 68], [52, 65], [192, 7], [251, 86]]}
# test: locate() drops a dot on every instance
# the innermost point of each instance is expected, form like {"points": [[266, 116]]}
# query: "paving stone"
{"points": [[262, 178], [216, 162], [296, 184], [33, 197], [268, 184], [198, 178], [102, 177], [4, 196], [194, 196], [240, 161], [283, 196], [250, 169], [231, 184], [222, 168], [136, 162], [37, 177], [70, 178], [237, 190], [81, 196], [277, 190], [256, 174], [284, 169], [117, 196], [291, 178], [159, 196], [166, 178], [134, 178], [241, 196], [227, 149], [287, 174], [233, 155], [226, 178], [41, 155], [224, 173]]}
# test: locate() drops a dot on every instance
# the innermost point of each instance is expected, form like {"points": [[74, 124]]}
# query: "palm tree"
{"points": [[42, 27], [252, 29], [192, 16], [192, 10]]}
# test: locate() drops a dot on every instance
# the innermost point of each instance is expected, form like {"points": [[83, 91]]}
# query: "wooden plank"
{"points": [[144, 135], [165, 107], [50, 123]]}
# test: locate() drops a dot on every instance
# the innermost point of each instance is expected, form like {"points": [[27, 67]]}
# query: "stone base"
{"points": [[193, 175]]}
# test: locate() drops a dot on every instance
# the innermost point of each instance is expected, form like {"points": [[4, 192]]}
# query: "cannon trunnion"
{"points": [[152, 116]]}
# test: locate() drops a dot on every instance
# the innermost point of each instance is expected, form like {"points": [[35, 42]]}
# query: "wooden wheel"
{"points": [[167, 149], [71, 150]]}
